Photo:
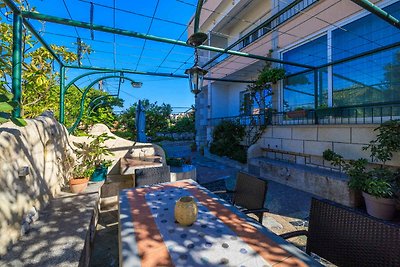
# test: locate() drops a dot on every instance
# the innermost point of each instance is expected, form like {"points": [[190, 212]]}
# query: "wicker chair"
{"points": [[152, 175], [347, 237], [249, 194]]}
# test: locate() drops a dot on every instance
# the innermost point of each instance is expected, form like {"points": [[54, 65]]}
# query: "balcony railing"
{"points": [[362, 114], [282, 18]]}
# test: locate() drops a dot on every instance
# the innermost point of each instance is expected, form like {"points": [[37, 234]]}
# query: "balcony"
{"points": [[252, 34], [361, 114]]}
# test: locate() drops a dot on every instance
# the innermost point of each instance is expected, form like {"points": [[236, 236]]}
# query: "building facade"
{"points": [[342, 68]]}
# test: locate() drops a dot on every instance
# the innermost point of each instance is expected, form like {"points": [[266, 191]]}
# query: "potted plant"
{"points": [[378, 185], [92, 156], [297, 113], [79, 180]]}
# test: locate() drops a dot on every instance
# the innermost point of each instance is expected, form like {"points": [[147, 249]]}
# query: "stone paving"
{"points": [[289, 208]]}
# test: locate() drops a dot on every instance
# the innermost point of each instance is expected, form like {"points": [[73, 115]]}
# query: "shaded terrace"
{"points": [[126, 47]]}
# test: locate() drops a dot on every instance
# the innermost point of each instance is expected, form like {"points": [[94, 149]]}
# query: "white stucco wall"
{"points": [[219, 100], [225, 99], [234, 98]]}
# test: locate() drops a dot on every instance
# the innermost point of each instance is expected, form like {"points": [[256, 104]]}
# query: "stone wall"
{"points": [[177, 136], [34, 168], [292, 155], [304, 144]]}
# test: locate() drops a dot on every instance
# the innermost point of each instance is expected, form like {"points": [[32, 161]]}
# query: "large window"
{"points": [[254, 104], [299, 90], [372, 78], [367, 79]]}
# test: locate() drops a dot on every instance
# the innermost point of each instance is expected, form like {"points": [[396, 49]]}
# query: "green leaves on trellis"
{"points": [[7, 105]]}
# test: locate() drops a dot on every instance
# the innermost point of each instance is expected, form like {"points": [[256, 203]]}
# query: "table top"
{"points": [[221, 235]]}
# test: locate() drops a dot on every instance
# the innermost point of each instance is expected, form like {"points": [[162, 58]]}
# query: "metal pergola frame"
{"points": [[21, 17]]}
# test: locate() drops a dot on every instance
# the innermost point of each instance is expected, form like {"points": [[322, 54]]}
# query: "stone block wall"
{"points": [[308, 142], [301, 147], [33, 168]]}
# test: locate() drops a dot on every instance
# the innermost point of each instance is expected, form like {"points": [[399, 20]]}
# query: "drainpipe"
{"points": [[17, 64]]}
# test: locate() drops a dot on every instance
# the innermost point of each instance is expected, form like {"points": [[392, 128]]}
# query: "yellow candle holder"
{"points": [[186, 211]]}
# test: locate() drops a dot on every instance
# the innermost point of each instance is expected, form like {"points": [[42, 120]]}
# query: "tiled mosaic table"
{"points": [[149, 235]]}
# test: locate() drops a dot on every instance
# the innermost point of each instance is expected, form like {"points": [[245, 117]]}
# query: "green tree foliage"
{"points": [[183, 124], [157, 119], [40, 82], [226, 141]]}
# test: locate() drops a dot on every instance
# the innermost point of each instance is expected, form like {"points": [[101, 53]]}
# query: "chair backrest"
{"points": [[153, 175], [250, 191], [348, 237]]}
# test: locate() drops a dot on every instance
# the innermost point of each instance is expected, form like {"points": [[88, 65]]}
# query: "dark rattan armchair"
{"points": [[347, 237], [249, 194]]}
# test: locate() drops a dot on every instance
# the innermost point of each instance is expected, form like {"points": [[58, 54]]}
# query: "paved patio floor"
{"points": [[289, 208]]}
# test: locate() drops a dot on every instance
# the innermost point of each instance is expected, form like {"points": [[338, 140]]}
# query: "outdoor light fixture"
{"points": [[196, 73], [136, 84]]}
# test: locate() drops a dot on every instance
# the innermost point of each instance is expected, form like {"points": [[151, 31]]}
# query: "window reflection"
{"points": [[369, 79]]}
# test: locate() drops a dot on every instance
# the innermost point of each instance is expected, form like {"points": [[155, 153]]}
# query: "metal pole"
{"points": [[148, 73], [86, 25], [29, 26], [80, 77], [316, 96], [82, 103], [197, 15], [367, 5], [62, 94], [17, 64]]}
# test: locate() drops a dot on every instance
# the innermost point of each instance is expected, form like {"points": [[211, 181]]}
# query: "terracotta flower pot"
{"points": [[185, 211], [77, 185], [297, 114], [381, 208]]}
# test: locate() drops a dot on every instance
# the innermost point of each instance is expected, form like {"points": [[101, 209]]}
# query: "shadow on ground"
{"points": [[105, 250]]}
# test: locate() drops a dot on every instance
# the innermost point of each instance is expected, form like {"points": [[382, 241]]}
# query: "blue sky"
{"points": [[170, 20]]}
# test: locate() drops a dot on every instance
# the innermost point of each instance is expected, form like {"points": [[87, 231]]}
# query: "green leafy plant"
{"points": [[379, 184], [91, 155], [175, 162], [271, 75], [387, 141], [259, 92], [226, 141], [7, 105], [381, 181]]}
